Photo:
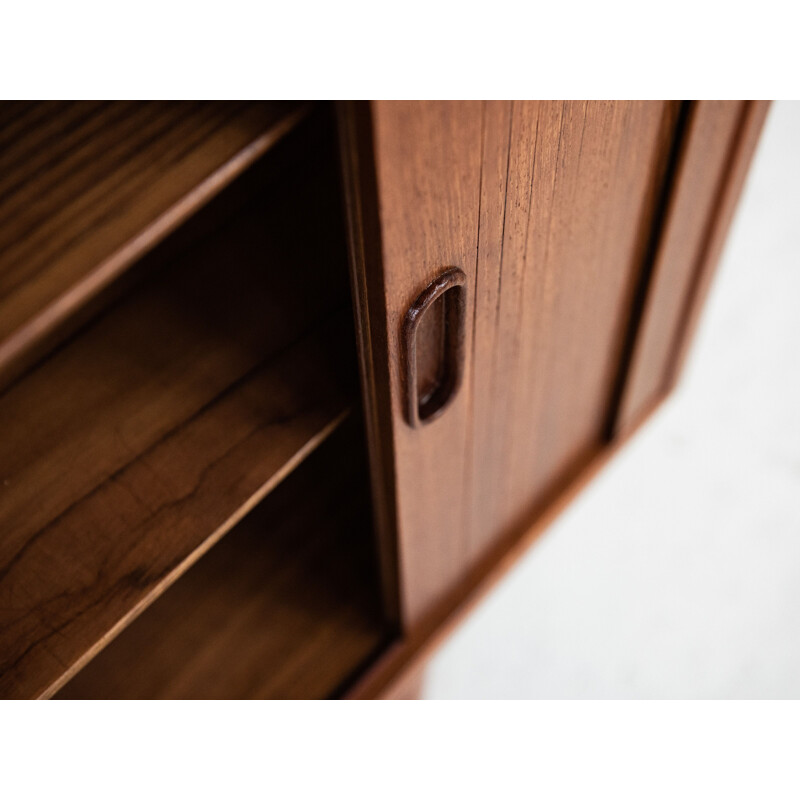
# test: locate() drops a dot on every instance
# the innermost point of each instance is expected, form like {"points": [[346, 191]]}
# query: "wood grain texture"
{"points": [[285, 606], [402, 664], [139, 442], [694, 217], [546, 207], [87, 188]]}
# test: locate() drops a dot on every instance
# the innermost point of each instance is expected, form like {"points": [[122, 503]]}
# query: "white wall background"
{"points": [[677, 572]]}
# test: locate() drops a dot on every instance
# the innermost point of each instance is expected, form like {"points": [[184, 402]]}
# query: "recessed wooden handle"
{"points": [[446, 297]]}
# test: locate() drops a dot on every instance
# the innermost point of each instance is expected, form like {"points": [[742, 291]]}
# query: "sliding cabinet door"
{"points": [[546, 210]]}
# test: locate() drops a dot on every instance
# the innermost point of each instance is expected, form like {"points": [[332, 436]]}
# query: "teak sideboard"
{"points": [[284, 387]]}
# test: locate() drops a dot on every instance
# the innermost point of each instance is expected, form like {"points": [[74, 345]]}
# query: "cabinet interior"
{"points": [[185, 497]]}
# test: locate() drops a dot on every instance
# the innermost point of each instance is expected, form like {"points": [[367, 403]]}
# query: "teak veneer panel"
{"points": [[285, 606], [547, 208], [87, 188], [148, 435]]}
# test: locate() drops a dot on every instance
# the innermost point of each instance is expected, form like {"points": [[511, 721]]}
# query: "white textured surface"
{"points": [[677, 572]]}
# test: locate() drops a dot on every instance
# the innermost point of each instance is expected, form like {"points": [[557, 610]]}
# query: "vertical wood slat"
{"points": [[545, 207]]}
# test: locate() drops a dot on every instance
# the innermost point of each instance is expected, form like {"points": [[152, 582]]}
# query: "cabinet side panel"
{"points": [[694, 228], [753, 118]]}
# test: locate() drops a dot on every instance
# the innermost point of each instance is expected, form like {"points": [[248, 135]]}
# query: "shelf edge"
{"points": [[274, 480]]}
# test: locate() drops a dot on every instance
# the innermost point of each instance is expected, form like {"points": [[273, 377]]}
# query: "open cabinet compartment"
{"points": [[190, 388]]}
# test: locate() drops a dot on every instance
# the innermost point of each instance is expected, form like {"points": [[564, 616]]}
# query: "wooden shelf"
{"points": [[285, 606], [139, 442], [87, 188]]}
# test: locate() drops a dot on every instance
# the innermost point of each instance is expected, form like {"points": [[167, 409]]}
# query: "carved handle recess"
{"points": [[445, 296]]}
